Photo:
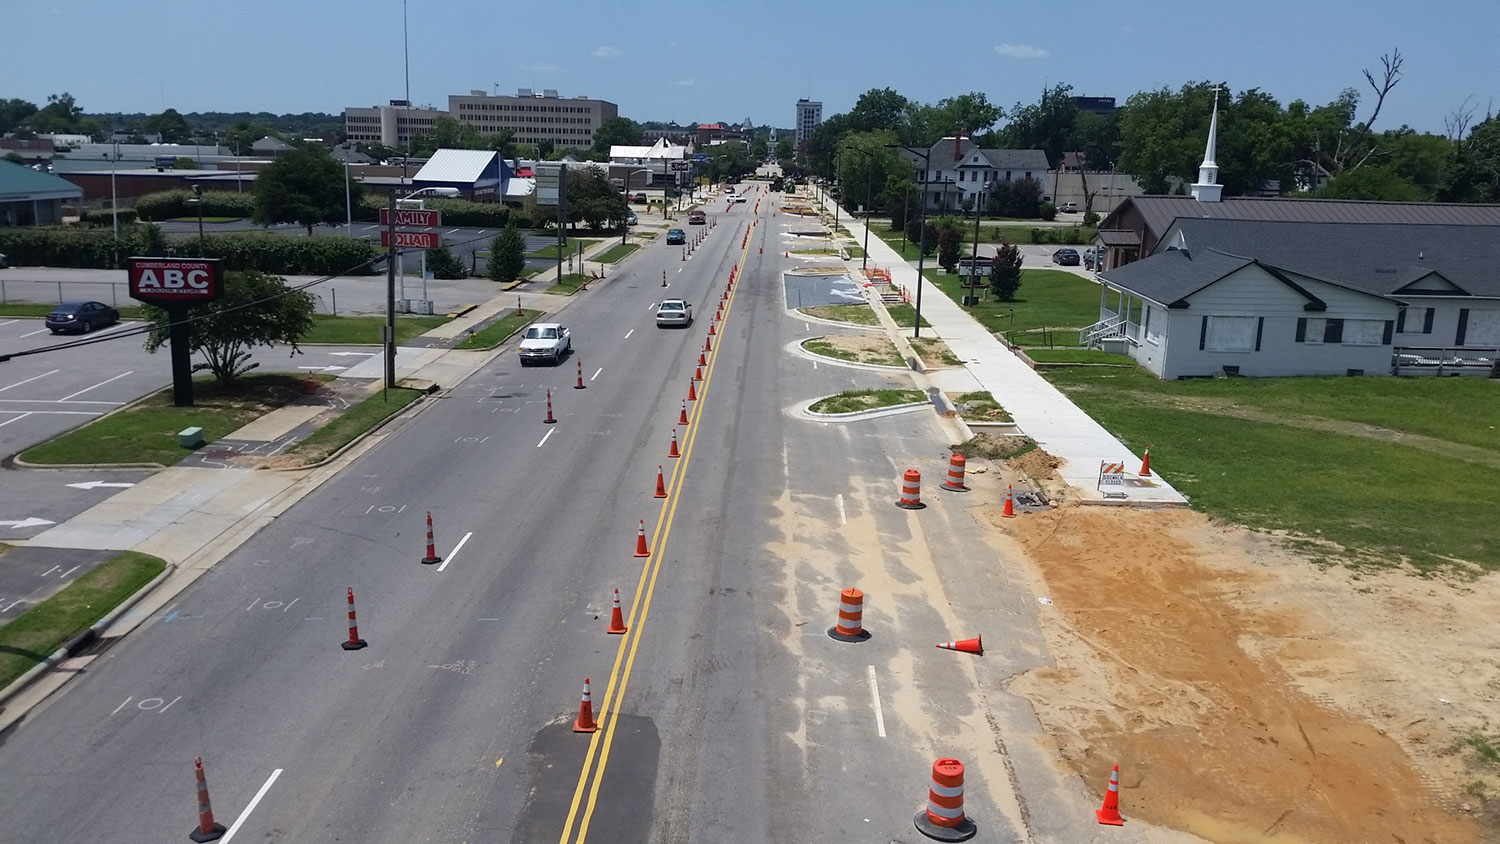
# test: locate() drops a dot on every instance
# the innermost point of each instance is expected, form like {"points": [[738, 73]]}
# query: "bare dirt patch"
{"points": [[861, 348], [1250, 696]]}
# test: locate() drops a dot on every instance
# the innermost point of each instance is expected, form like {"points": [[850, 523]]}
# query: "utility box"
{"points": [[190, 438]]}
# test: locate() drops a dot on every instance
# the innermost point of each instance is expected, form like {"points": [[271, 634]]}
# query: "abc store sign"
{"points": [[174, 280]]}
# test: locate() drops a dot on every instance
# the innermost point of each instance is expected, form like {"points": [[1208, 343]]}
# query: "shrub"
{"points": [[1047, 211], [280, 255], [167, 205], [103, 217], [456, 212], [94, 248], [507, 255], [442, 263], [1090, 219]]}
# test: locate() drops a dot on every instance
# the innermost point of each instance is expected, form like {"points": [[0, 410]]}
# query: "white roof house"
{"points": [[476, 172]]}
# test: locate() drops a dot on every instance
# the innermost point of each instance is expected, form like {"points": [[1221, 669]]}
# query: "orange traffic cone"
{"points": [[673, 452], [1109, 813], [640, 542], [616, 618], [692, 391], [701, 361], [585, 722], [208, 829], [1010, 504], [968, 646], [1146, 464], [711, 327], [697, 373], [682, 417], [661, 485]]}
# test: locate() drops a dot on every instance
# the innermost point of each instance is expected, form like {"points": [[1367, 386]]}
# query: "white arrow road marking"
{"points": [[98, 484], [22, 524]]}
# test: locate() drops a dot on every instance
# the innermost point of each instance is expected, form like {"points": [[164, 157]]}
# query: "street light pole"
{"points": [[916, 325], [114, 198], [348, 204]]}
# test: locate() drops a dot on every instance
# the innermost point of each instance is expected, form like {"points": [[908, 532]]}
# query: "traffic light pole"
{"points": [[390, 298]]}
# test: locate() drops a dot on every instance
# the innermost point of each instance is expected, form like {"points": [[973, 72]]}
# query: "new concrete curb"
{"points": [[84, 639], [795, 313], [796, 348], [804, 410], [420, 403]]}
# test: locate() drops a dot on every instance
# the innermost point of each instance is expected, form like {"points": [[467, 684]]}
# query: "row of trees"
{"points": [[1337, 149], [237, 130]]}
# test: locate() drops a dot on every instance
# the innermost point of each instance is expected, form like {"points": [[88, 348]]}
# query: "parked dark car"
{"points": [[1066, 257], [676, 236], [81, 317], [639, 198], [3, 261], [1091, 259]]}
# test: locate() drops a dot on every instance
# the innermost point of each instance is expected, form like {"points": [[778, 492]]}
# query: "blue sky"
{"points": [[713, 60]]}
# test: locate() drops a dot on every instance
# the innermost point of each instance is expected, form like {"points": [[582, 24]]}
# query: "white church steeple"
{"points": [[1207, 188]]}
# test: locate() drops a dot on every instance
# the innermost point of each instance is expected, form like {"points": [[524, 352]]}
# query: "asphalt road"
{"points": [[728, 714]]}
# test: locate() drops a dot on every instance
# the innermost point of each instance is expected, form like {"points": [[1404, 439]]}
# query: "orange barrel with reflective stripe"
{"points": [[955, 480], [945, 796], [911, 490], [851, 609]]}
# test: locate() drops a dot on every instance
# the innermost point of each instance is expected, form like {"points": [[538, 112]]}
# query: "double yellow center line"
{"points": [[601, 741]]}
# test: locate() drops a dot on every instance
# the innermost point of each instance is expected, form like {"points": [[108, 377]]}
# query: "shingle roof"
{"points": [[455, 165], [20, 183], [1159, 211], [1170, 276], [1378, 258], [940, 157]]}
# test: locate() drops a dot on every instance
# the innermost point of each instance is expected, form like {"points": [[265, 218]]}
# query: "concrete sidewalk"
{"points": [[1040, 410]]}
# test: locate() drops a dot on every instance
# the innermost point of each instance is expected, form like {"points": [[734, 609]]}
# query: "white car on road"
{"points": [[674, 312], [545, 341]]}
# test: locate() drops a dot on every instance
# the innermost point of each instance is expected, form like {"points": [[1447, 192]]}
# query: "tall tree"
{"points": [[866, 164], [1049, 124], [14, 113], [615, 131], [970, 113], [305, 185], [1005, 272], [507, 254], [784, 149], [877, 109], [257, 309], [1473, 174], [171, 125]]}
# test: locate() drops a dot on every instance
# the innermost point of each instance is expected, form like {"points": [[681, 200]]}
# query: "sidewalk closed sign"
{"points": [[1111, 474]]}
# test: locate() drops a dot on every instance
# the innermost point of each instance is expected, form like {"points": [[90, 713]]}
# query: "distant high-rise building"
{"points": [[389, 125], [809, 115]]}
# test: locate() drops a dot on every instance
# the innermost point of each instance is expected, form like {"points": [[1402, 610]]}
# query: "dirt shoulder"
{"points": [[1250, 696]]}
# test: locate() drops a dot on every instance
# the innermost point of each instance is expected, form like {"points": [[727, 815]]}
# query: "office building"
{"points": [[809, 115], [390, 125], [534, 116]]}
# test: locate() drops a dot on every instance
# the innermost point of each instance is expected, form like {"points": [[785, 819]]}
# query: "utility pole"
{"points": [[562, 214], [390, 298]]}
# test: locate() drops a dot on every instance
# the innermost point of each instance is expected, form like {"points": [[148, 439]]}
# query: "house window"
{"points": [[1231, 334], [1364, 332]]}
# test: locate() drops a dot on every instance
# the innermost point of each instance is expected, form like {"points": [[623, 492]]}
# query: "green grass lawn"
{"points": [[569, 284], [41, 309], [365, 330], [903, 314], [1079, 356], [147, 432], [570, 246], [495, 333], [1050, 299], [1387, 469], [853, 314], [852, 400], [353, 422], [617, 253], [33, 635]]}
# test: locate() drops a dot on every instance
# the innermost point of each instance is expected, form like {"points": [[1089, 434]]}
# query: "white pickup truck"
{"points": [[545, 341]]}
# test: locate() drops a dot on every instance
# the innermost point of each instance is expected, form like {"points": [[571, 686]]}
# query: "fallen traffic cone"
{"points": [[968, 646], [1109, 813], [682, 417], [585, 722], [549, 420], [692, 391], [616, 618], [208, 829], [661, 484], [1010, 504], [354, 643], [432, 558], [640, 542], [673, 452], [1146, 464]]}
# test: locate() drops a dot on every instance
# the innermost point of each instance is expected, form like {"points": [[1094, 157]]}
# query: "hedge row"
{"points": [[168, 205], [104, 217], [97, 249], [456, 212]]}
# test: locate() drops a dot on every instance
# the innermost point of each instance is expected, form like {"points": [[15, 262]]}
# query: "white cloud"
{"points": [[1021, 51], [683, 83], [607, 52], [540, 68]]}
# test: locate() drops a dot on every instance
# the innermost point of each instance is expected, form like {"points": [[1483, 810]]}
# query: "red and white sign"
{"points": [[411, 217], [175, 279], [411, 240]]}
